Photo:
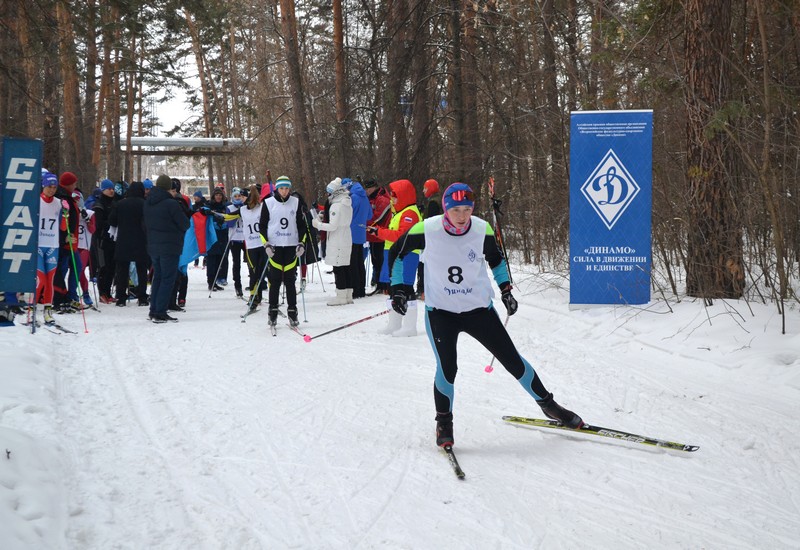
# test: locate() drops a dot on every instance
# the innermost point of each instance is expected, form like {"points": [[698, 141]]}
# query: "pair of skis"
{"points": [[53, 327], [587, 429]]}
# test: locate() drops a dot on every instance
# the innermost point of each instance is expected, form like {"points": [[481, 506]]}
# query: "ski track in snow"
{"points": [[209, 433]]}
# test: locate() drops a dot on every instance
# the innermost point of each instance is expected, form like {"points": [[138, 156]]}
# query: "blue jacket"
{"points": [[362, 213], [166, 224]]}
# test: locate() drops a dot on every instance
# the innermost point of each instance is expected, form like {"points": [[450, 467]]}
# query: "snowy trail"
{"points": [[209, 433]]}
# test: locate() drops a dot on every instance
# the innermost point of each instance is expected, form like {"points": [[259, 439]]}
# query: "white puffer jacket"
{"points": [[339, 239]]}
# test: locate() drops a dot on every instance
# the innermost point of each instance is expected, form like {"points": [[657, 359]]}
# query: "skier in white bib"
{"points": [[458, 298]]}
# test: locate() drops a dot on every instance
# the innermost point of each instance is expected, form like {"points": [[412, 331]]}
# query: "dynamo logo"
{"points": [[610, 189]]}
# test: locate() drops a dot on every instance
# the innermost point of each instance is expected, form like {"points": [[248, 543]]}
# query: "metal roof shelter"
{"points": [[179, 146]]}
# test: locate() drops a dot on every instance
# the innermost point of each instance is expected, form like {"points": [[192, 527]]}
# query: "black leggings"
{"points": [[283, 271], [484, 325]]}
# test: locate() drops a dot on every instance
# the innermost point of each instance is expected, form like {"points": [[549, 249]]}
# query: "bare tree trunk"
{"points": [[302, 134], [422, 112], [130, 107], [344, 138], [714, 268], [90, 96], [469, 83], [456, 84], [391, 121]]}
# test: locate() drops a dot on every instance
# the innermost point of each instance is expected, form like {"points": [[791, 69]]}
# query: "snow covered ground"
{"points": [[210, 433]]}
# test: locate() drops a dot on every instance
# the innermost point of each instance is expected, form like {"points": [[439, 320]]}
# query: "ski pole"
{"points": [[254, 291], [489, 368], [308, 338], [497, 214], [303, 293], [224, 254], [313, 250], [75, 269]]}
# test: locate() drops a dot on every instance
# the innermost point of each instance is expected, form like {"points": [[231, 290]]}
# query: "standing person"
{"points": [[311, 242], [459, 299], [217, 265], [181, 287], [381, 205], [405, 215], [86, 226], [236, 238], [432, 208], [128, 218], [362, 212], [283, 227], [66, 296], [433, 205], [255, 253], [50, 221], [339, 242], [103, 242], [166, 224]]}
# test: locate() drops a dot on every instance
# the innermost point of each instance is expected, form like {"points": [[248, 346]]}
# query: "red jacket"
{"points": [[381, 212]]}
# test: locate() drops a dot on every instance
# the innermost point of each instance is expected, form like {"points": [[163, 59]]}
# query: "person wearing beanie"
{"points": [[283, 229], [433, 207], [131, 244], [166, 224], [431, 191], [381, 205], [339, 240], [459, 299], [50, 219], [66, 299], [104, 246], [217, 255], [165, 182], [148, 185], [199, 201], [405, 215]]}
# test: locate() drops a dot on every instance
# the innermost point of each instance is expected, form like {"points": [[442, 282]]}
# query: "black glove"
{"points": [[508, 300], [399, 301], [84, 215], [372, 230]]}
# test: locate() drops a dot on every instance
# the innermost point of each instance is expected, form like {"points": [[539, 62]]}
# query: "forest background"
{"points": [[451, 89]]}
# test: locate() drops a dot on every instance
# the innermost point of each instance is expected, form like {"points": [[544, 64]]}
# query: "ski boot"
{"points": [[554, 411], [87, 299], [48, 315], [273, 316], [292, 314], [444, 429]]}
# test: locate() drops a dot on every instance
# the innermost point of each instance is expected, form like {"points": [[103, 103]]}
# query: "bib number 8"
{"points": [[454, 274]]}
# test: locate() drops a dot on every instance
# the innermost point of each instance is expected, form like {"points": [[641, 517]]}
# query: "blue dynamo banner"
{"points": [[19, 212], [611, 166]]}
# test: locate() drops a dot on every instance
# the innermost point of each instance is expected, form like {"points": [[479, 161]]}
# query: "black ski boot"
{"points": [[554, 411], [292, 314], [444, 429], [273, 316]]}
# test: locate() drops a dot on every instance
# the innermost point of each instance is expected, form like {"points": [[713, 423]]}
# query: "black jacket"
{"points": [[165, 222], [128, 217]]}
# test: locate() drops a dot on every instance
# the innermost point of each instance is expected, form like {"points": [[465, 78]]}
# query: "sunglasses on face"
{"points": [[460, 195]]}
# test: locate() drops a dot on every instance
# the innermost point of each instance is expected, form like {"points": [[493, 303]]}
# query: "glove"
{"points": [[399, 301], [315, 222], [206, 211], [270, 250], [508, 300], [84, 215], [301, 249], [372, 230]]}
